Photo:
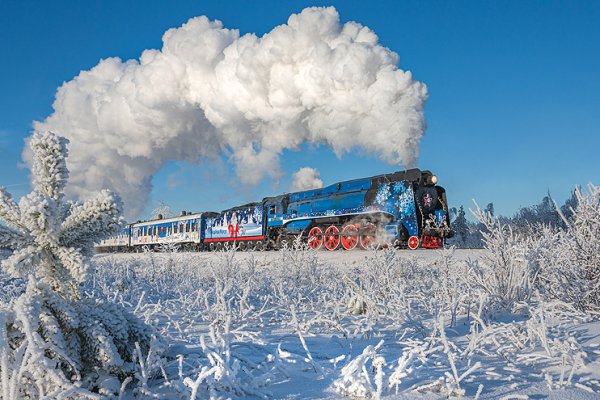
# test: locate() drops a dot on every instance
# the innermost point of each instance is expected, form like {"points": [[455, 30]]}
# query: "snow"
{"points": [[279, 324]]}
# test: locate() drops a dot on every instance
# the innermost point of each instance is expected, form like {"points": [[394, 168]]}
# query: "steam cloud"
{"points": [[211, 92], [306, 178]]}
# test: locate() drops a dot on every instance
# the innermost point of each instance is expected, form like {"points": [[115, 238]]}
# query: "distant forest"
{"points": [[468, 234]]}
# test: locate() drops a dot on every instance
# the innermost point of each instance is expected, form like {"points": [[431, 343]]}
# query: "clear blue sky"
{"points": [[514, 88]]}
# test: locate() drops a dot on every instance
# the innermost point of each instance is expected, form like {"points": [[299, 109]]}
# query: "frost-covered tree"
{"points": [[571, 257], [570, 204], [461, 226], [49, 237], [490, 209], [162, 210], [527, 219], [53, 335]]}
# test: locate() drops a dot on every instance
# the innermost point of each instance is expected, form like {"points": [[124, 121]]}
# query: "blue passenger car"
{"points": [[186, 230], [242, 225]]}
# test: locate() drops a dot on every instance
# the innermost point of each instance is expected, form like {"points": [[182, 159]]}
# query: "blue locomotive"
{"points": [[403, 209]]}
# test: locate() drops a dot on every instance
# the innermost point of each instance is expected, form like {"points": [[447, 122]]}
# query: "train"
{"points": [[404, 209]]}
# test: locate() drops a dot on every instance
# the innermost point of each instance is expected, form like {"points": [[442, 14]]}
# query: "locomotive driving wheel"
{"points": [[332, 238], [315, 238], [349, 237], [368, 237], [413, 242]]}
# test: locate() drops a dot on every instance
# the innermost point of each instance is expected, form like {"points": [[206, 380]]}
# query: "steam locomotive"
{"points": [[405, 209]]}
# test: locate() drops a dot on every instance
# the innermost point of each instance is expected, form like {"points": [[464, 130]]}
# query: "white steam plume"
{"points": [[306, 178], [209, 92]]}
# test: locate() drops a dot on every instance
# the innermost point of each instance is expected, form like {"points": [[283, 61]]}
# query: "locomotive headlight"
{"points": [[433, 180]]}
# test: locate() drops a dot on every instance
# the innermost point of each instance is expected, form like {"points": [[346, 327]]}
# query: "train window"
{"points": [[175, 227], [187, 227], [272, 210]]}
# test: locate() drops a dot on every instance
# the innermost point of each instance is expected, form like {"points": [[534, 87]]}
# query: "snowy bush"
{"points": [[54, 339], [581, 243], [505, 275]]}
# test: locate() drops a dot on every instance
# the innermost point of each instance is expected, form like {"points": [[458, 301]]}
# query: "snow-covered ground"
{"points": [[303, 324]]}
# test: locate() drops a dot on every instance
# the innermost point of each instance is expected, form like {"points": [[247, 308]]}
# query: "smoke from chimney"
{"points": [[210, 91]]}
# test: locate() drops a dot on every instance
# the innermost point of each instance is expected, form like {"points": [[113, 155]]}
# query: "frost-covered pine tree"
{"points": [[53, 335]]}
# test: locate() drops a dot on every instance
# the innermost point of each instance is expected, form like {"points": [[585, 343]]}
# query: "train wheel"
{"points": [[242, 246], [332, 238], [315, 238], [413, 242], [368, 239], [349, 237]]}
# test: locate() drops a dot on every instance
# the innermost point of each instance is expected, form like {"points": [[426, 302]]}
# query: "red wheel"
{"points": [[368, 237], [349, 237], [413, 242], [332, 238], [315, 238]]}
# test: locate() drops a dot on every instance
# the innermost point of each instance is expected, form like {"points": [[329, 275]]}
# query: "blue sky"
{"points": [[514, 89]]}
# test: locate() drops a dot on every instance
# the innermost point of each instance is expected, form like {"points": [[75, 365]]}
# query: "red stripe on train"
{"points": [[230, 239]]}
